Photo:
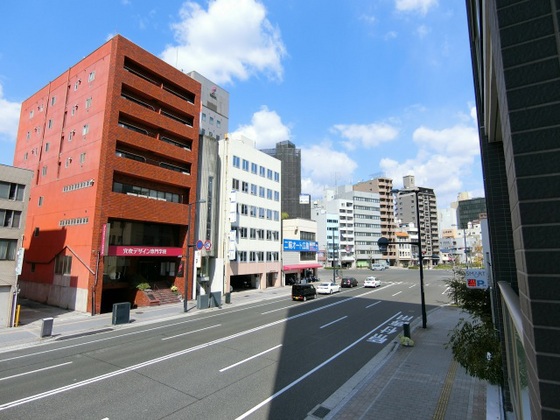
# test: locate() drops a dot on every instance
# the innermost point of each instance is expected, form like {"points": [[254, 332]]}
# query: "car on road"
{"points": [[303, 292], [378, 267], [372, 281], [326, 288], [348, 282]]}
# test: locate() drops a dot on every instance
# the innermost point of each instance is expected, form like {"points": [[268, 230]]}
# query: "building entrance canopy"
{"points": [[293, 267]]}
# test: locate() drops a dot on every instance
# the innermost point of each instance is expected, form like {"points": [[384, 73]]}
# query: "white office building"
{"points": [[250, 232]]}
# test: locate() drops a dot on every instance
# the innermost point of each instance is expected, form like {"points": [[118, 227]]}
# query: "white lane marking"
{"points": [[250, 358], [315, 369], [330, 323], [153, 361], [134, 332], [276, 310], [191, 332], [412, 286], [35, 371], [445, 291], [373, 304], [397, 293]]}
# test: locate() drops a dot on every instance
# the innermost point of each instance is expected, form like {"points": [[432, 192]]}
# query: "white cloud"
{"points": [[266, 129], [9, 118], [322, 166], [421, 6], [445, 160], [365, 135], [422, 31], [233, 39], [390, 35]]}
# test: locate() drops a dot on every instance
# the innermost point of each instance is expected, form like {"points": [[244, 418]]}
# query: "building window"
{"points": [[71, 135], [276, 215], [91, 76], [218, 123], [236, 162], [245, 165], [253, 189], [40, 203], [10, 218], [244, 209], [276, 196], [277, 176], [28, 135], [211, 120], [243, 232], [261, 213], [269, 214], [261, 192], [269, 193], [269, 173], [88, 103], [245, 187], [53, 100], [242, 256], [63, 264], [235, 184], [253, 211], [50, 123], [254, 168], [85, 129], [77, 84], [8, 249], [47, 146], [253, 233], [44, 171], [68, 162], [262, 171], [31, 113], [203, 116], [82, 158]]}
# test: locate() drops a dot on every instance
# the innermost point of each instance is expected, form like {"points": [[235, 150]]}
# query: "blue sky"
{"points": [[363, 88]]}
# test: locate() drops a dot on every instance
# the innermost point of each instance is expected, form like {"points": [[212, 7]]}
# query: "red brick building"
{"points": [[113, 143]]}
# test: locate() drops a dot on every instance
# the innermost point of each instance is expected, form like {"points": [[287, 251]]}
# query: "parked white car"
{"points": [[372, 282], [326, 288], [378, 267]]}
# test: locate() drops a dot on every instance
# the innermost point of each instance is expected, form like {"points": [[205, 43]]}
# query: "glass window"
{"points": [[8, 249], [91, 76], [245, 165], [254, 168], [236, 162]]}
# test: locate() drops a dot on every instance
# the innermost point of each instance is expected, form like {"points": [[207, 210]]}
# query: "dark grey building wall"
{"points": [[521, 155], [290, 157]]}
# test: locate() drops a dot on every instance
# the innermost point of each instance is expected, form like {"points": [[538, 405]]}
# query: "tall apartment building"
{"points": [[405, 212], [366, 225], [327, 235], [250, 247], [14, 199], [515, 47], [384, 187], [113, 145], [293, 203]]}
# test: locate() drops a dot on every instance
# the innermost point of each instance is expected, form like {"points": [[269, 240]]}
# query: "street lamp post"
{"points": [[420, 256], [189, 245]]}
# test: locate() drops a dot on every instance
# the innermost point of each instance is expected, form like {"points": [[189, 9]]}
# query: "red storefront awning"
{"points": [[293, 267]]}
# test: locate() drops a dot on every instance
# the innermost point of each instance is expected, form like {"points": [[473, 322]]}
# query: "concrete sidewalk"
{"points": [[419, 382]]}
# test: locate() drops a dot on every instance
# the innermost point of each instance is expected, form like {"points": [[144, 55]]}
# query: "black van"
{"points": [[303, 292]]}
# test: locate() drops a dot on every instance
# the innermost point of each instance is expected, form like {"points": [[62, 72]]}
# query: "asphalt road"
{"points": [[273, 360]]}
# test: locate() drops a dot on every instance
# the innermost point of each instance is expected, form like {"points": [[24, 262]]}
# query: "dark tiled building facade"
{"points": [[515, 51]]}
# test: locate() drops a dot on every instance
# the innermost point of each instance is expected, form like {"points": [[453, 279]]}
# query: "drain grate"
{"points": [[321, 412]]}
